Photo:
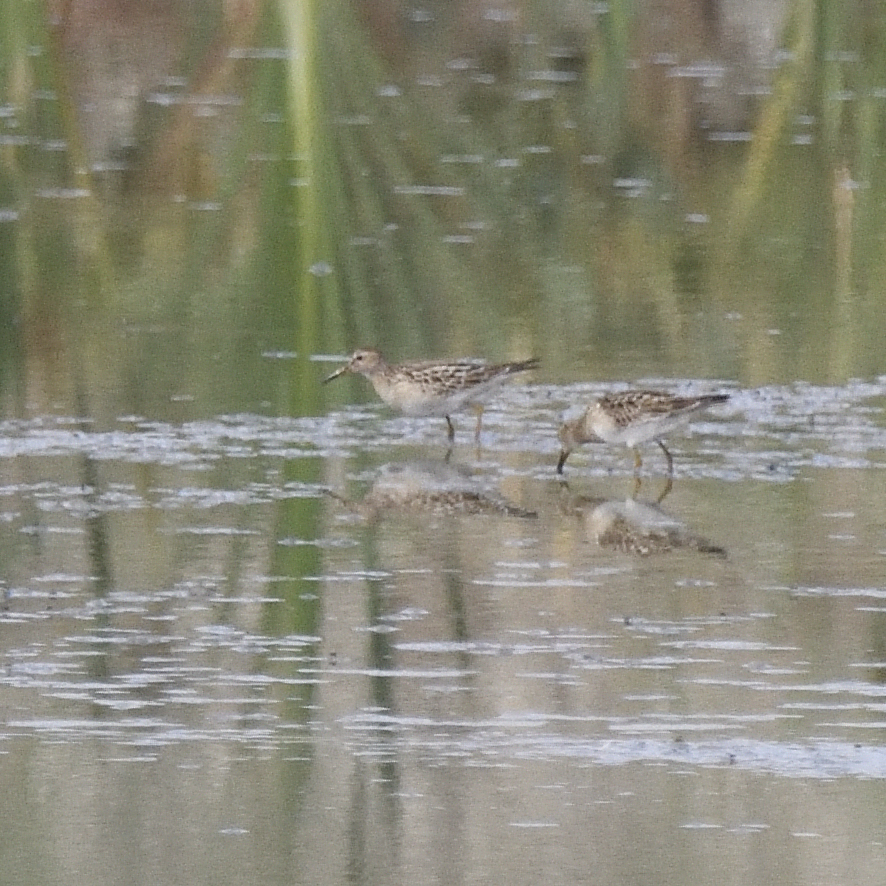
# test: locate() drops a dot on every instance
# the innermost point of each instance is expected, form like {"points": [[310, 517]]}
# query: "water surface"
{"points": [[255, 629]]}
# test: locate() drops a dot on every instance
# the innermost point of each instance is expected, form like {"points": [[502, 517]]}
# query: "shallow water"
{"points": [[320, 626], [254, 629]]}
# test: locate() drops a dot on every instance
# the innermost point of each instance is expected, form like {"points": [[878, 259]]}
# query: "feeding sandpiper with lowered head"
{"points": [[432, 387], [632, 418]]}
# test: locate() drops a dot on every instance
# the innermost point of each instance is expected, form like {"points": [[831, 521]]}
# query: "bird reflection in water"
{"points": [[431, 487], [635, 526]]}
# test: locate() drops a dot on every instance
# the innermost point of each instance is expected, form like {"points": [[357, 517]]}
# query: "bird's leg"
{"points": [[638, 462], [667, 488], [664, 449], [450, 435], [479, 410]]}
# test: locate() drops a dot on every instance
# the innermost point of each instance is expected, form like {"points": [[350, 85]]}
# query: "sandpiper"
{"points": [[632, 418], [432, 387]]}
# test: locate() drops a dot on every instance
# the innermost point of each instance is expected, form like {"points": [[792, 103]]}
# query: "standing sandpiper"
{"points": [[432, 388], [632, 418]]}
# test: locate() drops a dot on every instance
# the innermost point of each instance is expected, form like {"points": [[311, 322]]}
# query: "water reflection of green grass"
{"points": [[457, 187]]}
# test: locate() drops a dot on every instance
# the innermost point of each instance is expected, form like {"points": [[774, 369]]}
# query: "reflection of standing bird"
{"points": [[435, 488], [642, 528], [432, 388], [632, 418], [637, 527]]}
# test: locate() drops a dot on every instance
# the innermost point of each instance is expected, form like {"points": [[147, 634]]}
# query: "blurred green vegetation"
{"points": [[622, 197]]}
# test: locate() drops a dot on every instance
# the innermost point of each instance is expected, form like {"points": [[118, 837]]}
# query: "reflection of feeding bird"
{"points": [[432, 387], [432, 487], [632, 418], [638, 527]]}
